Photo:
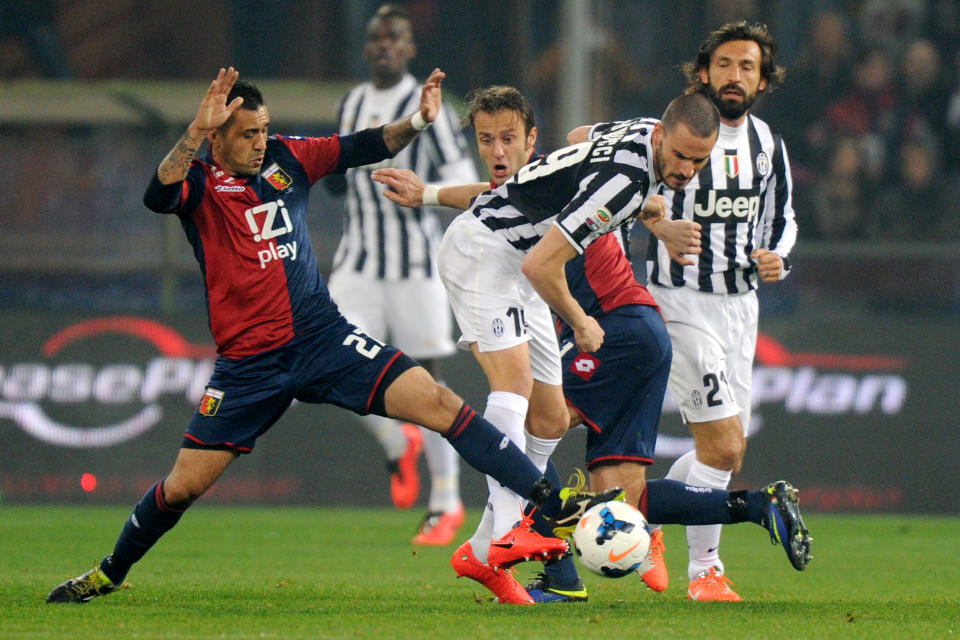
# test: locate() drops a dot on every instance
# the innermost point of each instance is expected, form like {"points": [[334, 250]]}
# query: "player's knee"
{"points": [[548, 422], [180, 496], [727, 453]]}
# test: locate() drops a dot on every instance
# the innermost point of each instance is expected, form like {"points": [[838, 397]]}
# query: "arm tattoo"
{"points": [[399, 134], [176, 165]]}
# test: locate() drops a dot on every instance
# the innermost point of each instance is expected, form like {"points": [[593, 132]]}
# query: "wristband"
{"points": [[418, 123], [430, 194]]}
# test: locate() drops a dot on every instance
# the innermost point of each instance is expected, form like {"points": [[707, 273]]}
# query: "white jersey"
{"points": [[742, 200], [381, 239], [585, 190]]}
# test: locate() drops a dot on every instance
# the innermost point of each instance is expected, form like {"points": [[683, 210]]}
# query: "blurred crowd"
{"points": [[871, 116], [870, 108]]}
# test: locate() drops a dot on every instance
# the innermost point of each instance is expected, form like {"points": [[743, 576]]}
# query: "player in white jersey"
{"points": [[502, 262], [742, 201], [384, 275]]}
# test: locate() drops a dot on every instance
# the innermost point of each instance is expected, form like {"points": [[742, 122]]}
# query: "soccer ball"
{"points": [[611, 539]]}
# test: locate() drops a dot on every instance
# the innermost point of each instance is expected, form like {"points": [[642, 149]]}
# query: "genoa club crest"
{"points": [[210, 403], [276, 177]]}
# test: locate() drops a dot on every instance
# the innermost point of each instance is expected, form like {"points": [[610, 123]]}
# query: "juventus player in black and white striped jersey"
{"points": [[742, 202], [384, 276]]}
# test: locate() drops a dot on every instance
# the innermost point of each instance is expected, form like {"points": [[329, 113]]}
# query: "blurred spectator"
{"points": [[892, 23], [820, 77], [34, 23], [952, 122], [921, 203], [868, 111], [839, 197], [922, 108]]}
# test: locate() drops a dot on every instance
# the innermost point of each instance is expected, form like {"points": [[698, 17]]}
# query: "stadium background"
{"points": [[104, 346]]}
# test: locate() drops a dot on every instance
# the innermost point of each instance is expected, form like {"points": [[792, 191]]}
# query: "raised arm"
{"points": [[213, 112], [406, 189], [399, 134]]}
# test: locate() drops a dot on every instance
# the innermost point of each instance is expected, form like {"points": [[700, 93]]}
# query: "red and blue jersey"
{"points": [[249, 234]]}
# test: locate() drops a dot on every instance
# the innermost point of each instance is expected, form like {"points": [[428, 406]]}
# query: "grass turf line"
{"points": [[249, 572]]}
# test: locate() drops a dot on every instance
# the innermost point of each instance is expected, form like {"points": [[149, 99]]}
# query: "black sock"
{"points": [[151, 518], [490, 451], [672, 502]]}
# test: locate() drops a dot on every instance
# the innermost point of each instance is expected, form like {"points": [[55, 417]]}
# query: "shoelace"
{"points": [[714, 577], [429, 521], [656, 545]]}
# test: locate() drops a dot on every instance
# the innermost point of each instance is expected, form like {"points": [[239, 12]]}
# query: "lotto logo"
{"points": [[585, 365]]}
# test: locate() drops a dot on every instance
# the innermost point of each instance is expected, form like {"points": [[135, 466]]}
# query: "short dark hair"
{"points": [[391, 11], [695, 111], [252, 99], [743, 30], [499, 98]]}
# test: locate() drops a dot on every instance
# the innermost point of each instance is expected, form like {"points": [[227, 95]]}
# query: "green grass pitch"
{"points": [[250, 572]]}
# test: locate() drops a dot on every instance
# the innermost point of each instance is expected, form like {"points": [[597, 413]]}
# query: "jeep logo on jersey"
{"points": [[721, 207], [123, 395]]}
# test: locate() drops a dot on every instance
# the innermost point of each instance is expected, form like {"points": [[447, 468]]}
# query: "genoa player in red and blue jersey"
{"points": [[279, 336]]}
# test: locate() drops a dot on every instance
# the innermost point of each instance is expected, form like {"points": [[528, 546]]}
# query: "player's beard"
{"points": [[730, 109]]}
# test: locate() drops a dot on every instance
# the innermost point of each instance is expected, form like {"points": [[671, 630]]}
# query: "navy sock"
{"points": [[562, 572], [151, 518], [672, 502], [490, 451]]}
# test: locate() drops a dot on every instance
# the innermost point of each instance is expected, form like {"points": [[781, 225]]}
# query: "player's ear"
{"points": [[704, 74], [532, 137], [657, 135]]}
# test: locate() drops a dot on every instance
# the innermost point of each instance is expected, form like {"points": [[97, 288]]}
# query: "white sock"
{"points": [[507, 412], [480, 541], [443, 461], [680, 468], [704, 540], [539, 450], [388, 433]]}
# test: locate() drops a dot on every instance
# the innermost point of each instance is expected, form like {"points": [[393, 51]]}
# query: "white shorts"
{"points": [[493, 302], [412, 315], [714, 337]]}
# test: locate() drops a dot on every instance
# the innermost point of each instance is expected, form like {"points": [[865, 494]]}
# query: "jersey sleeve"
{"points": [[779, 221], [179, 197], [606, 199], [318, 156]]}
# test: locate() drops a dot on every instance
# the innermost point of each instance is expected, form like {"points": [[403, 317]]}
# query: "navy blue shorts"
{"points": [[618, 390], [244, 398]]}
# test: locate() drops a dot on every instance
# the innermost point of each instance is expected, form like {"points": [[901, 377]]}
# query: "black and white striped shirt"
{"points": [[586, 189], [742, 201], [381, 239]]}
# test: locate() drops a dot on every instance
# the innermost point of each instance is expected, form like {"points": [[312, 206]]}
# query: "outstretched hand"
{"points": [[404, 187], [431, 98], [214, 110]]}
